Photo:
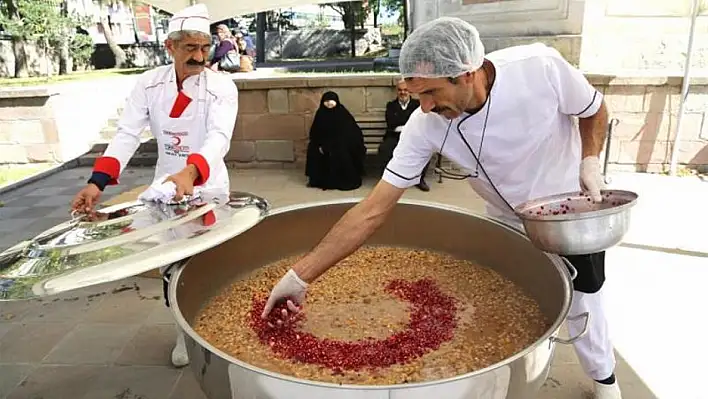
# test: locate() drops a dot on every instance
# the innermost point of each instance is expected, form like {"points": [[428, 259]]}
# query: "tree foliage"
{"points": [[358, 9], [392, 6], [40, 21], [274, 20], [81, 49]]}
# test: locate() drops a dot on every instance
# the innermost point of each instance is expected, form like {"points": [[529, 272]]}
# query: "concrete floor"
{"points": [[114, 340]]}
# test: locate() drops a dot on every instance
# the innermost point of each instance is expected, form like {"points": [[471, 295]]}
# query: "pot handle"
{"points": [[571, 340], [173, 267], [571, 269]]}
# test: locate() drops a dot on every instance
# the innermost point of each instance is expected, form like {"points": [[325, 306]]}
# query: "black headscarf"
{"points": [[326, 118], [336, 152]]}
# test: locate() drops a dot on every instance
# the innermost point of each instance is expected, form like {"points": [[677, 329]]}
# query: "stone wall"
{"points": [[138, 55], [57, 123], [648, 35], [501, 18], [647, 109], [28, 130], [501, 24], [600, 36], [319, 43], [275, 115], [39, 61]]}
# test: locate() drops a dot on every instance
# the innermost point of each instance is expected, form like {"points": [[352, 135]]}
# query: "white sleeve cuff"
{"points": [[398, 180], [592, 107]]}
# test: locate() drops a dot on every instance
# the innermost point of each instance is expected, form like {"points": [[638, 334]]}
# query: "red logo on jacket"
{"points": [[175, 147]]}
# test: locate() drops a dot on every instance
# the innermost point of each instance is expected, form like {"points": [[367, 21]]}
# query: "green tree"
{"points": [[81, 49], [34, 21], [353, 13], [356, 10], [275, 20], [392, 7], [376, 10]]}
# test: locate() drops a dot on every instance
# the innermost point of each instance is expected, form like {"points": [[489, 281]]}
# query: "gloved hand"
{"points": [[591, 179], [290, 287], [159, 191]]}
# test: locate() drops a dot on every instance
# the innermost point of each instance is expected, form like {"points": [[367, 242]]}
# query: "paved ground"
{"points": [[113, 341]]}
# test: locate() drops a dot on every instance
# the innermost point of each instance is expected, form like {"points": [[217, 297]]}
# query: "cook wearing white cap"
{"points": [[191, 112], [524, 123]]}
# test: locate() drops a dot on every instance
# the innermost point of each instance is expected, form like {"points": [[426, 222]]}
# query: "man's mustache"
{"points": [[196, 63]]}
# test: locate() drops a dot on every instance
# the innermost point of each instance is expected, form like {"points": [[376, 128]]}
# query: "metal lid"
{"points": [[124, 240]]}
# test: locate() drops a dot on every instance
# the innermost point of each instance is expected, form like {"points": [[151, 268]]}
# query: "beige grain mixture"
{"points": [[349, 302]]}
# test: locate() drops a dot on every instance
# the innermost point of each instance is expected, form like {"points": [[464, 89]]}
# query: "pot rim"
{"points": [[522, 209], [555, 260]]}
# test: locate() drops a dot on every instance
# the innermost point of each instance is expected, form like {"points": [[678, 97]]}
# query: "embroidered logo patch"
{"points": [[173, 144]]}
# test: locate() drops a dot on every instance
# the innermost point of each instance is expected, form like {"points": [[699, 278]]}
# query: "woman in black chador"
{"points": [[336, 152]]}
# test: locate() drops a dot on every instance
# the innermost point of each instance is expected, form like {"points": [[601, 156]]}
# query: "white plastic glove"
{"points": [[159, 191], [290, 286], [162, 191], [591, 179], [398, 129]]}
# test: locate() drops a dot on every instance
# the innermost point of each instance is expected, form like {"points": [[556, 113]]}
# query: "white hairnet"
{"points": [[444, 47]]}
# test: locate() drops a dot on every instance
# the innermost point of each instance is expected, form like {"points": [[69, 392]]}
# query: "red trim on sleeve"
{"points": [[202, 167], [181, 103], [109, 166], [209, 218]]}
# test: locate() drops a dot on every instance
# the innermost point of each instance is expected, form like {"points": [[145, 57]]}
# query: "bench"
{"points": [[373, 128]]}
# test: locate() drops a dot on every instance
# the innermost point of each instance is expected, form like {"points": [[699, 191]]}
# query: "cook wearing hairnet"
{"points": [[524, 123]]}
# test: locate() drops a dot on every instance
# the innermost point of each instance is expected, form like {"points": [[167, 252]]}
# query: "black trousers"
{"points": [[591, 272]]}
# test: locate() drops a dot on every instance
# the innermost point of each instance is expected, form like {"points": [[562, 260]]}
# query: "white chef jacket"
{"points": [[531, 144], [198, 134]]}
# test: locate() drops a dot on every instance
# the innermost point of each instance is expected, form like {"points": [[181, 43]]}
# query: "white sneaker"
{"points": [[605, 391], [180, 358]]}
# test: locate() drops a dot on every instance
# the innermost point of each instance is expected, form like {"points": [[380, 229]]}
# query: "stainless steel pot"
{"points": [[292, 230], [552, 229]]}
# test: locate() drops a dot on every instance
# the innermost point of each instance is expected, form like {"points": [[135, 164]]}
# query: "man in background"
{"points": [[398, 111]]}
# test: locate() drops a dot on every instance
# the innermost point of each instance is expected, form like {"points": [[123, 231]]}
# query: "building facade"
{"points": [[129, 24]]}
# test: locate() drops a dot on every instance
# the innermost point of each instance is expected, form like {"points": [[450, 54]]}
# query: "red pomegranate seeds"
{"points": [[432, 322]]}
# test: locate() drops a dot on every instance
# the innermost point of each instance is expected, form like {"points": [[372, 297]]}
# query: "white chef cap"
{"points": [[194, 18], [444, 47]]}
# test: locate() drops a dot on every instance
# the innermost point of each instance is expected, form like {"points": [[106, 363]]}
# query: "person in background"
{"points": [[398, 111], [336, 150], [226, 48], [250, 47], [247, 61], [526, 124], [191, 112]]}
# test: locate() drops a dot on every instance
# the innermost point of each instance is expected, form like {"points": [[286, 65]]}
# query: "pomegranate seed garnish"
{"points": [[432, 322]]}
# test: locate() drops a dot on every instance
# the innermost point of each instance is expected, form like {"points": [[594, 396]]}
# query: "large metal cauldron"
{"points": [[292, 230]]}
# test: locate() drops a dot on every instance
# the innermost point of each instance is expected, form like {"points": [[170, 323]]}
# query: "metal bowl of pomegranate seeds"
{"points": [[217, 356], [572, 224]]}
